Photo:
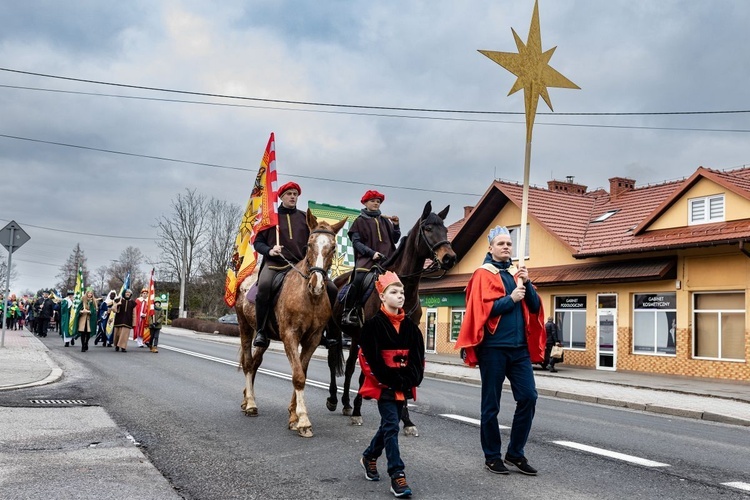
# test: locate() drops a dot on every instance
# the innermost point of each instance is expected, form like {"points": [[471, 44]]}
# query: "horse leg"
{"points": [[357, 413], [409, 428], [250, 364], [351, 365], [298, 418]]}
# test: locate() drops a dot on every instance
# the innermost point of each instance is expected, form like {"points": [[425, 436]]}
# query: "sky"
{"points": [[78, 159]]}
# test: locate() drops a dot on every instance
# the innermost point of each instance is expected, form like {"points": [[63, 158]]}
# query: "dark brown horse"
{"points": [[302, 311], [428, 239]]}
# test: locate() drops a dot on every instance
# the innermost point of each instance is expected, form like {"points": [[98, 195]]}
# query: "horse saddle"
{"points": [[278, 281], [362, 291]]}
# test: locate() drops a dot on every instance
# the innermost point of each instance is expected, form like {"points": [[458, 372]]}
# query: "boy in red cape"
{"points": [[503, 332]]}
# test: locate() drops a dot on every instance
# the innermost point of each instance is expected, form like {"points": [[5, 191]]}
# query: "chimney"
{"points": [[467, 211], [566, 186], [620, 185]]}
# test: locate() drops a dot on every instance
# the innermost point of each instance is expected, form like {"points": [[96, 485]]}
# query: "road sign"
{"points": [[19, 236]]}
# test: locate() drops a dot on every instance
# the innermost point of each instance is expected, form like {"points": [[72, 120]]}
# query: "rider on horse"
{"points": [[374, 237], [280, 256]]}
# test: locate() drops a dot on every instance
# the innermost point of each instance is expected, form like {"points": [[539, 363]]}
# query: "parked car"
{"points": [[230, 319]]}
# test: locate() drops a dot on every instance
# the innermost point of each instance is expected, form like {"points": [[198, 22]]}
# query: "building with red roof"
{"points": [[651, 278]]}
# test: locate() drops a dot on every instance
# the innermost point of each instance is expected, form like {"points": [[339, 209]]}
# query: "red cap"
{"points": [[372, 194], [288, 186]]}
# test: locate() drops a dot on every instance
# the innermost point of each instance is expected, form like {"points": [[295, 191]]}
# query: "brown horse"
{"points": [[428, 239], [302, 311]]}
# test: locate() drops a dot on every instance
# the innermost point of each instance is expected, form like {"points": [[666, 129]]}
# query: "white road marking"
{"points": [[611, 454], [272, 373], [738, 485], [468, 420]]}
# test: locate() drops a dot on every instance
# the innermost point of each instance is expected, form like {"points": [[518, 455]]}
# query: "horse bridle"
{"points": [[313, 269], [436, 264]]}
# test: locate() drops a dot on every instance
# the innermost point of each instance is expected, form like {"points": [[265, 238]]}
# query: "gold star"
{"points": [[531, 67]]}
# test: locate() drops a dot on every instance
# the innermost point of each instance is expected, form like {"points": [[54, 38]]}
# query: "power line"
{"points": [[360, 106], [391, 115], [84, 234]]}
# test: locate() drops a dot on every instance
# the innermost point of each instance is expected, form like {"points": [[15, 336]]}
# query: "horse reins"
{"points": [[312, 269]]}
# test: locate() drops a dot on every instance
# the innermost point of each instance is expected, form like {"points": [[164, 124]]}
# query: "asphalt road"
{"points": [[183, 406]]}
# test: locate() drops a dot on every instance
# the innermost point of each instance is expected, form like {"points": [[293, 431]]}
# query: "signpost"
{"points": [[12, 237]]}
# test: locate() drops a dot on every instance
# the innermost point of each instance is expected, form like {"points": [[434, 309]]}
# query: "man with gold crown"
{"points": [[503, 332]]}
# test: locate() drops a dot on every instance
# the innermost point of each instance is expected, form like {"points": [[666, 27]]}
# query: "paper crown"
{"points": [[288, 186], [371, 195], [386, 280], [497, 230]]}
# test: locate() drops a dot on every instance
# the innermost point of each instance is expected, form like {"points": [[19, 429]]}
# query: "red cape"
{"points": [[486, 286]]}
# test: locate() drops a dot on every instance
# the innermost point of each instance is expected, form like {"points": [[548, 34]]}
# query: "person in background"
{"points": [[87, 313], [124, 320], [66, 309], [392, 361], [157, 320], [141, 318], [105, 307], [553, 339], [503, 332], [46, 309]]}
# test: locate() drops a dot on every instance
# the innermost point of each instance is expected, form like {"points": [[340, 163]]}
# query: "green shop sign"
{"points": [[447, 300]]}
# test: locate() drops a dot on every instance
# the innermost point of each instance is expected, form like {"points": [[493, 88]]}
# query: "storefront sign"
{"points": [[570, 302], [447, 300], [655, 301]]}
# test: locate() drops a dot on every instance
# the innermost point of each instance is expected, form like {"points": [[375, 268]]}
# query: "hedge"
{"points": [[202, 325]]}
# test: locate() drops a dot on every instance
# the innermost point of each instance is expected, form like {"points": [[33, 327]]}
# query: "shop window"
{"points": [[457, 317], [570, 316], [654, 323], [719, 325]]}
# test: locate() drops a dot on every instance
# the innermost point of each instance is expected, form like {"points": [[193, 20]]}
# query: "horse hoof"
{"points": [[347, 412], [292, 426], [411, 431], [331, 405], [251, 412], [306, 432], [356, 420]]}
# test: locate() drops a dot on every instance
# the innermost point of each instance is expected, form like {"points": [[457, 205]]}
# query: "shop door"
{"points": [[606, 332], [431, 330]]}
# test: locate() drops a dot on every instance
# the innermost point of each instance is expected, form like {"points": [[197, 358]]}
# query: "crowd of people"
{"points": [[110, 320]]}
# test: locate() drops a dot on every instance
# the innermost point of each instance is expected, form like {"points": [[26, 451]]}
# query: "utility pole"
{"points": [[183, 279]]}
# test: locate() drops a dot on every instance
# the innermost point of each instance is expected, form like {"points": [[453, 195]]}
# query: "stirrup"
{"points": [[352, 317]]}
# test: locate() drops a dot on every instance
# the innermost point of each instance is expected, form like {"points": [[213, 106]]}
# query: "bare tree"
{"points": [[69, 271], [224, 219], [100, 279], [130, 261], [181, 236], [4, 274]]}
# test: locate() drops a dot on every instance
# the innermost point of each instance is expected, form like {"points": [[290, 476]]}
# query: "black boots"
{"points": [[261, 313]]}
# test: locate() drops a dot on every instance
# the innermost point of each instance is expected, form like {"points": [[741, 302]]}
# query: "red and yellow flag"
{"points": [[261, 213], [149, 308]]}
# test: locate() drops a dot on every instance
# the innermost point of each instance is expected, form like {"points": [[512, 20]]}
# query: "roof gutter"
{"points": [[744, 248]]}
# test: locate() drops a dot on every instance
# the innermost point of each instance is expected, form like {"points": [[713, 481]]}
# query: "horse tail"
{"points": [[336, 352]]}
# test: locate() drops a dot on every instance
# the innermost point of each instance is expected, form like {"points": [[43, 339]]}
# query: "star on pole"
{"points": [[532, 68]]}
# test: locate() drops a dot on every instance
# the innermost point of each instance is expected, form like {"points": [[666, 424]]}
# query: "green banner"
{"points": [[446, 300]]}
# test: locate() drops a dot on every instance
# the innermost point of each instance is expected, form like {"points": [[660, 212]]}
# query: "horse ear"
{"points": [[312, 221], [337, 227], [444, 213], [427, 210]]}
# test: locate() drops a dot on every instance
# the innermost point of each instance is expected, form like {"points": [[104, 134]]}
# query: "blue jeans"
{"points": [[496, 363], [387, 436]]}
